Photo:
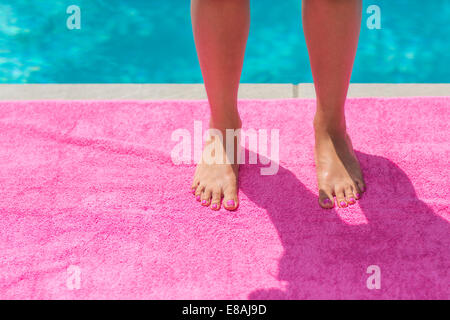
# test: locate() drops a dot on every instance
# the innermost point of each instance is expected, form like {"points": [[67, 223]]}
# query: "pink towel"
{"points": [[93, 207]]}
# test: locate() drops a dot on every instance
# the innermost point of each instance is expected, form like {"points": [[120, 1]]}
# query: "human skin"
{"points": [[331, 28]]}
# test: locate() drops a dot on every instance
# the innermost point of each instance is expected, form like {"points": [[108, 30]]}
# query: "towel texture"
{"points": [[93, 207]]}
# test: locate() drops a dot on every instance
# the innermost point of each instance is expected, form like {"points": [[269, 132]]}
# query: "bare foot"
{"points": [[338, 170], [215, 181]]}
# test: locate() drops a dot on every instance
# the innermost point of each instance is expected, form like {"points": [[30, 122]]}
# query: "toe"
{"points": [[326, 199], [206, 197], [230, 200], [356, 191], [361, 186], [340, 198], [349, 195], [194, 186], [215, 201], [198, 192]]}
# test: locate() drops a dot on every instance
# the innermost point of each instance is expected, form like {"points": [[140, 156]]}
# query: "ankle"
{"points": [[333, 125], [229, 121]]}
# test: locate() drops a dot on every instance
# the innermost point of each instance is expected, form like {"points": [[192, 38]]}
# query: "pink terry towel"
{"points": [[93, 206]]}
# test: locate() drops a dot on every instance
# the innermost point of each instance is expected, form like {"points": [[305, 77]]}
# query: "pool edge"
{"points": [[197, 91]]}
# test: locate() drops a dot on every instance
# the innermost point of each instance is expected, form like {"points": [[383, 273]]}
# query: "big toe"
{"points": [[230, 199], [326, 199]]}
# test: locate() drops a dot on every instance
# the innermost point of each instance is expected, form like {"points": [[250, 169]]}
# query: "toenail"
{"points": [[343, 204], [326, 201], [230, 203], [203, 201], [352, 200], [214, 206], [358, 195], [198, 198]]}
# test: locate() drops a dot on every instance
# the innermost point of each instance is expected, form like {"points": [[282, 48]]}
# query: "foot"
{"points": [[216, 181], [338, 170]]}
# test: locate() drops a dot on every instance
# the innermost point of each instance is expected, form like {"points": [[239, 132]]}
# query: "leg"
{"points": [[220, 32], [332, 30]]}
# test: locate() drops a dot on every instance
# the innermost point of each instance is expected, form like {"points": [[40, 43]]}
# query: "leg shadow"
{"points": [[327, 252]]}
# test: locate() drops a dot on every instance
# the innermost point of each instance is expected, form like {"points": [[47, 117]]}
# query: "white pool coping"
{"points": [[197, 91]]}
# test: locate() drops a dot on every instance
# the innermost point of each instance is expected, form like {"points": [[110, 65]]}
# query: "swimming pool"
{"points": [[150, 41]]}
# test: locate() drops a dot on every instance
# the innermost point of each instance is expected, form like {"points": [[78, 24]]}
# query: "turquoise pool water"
{"points": [[150, 41]]}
